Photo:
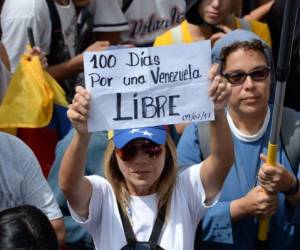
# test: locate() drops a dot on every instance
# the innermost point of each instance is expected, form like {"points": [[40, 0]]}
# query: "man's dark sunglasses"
{"points": [[129, 151], [239, 77]]}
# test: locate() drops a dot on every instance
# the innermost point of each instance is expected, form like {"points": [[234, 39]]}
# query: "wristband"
{"points": [[293, 190]]}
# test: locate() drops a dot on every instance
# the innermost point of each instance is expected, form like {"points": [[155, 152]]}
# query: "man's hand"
{"points": [[275, 178], [258, 203]]}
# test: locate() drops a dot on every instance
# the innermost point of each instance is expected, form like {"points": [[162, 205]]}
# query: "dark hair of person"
{"points": [[26, 228], [255, 45]]}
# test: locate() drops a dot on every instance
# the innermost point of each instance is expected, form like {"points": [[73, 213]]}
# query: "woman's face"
{"points": [[250, 97], [142, 172], [215, 12]]}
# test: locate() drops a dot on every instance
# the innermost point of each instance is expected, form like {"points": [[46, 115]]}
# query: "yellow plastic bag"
{"points": [[30, 96]]}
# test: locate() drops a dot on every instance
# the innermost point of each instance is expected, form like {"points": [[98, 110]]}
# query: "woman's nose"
{"points": [[140, 156]]}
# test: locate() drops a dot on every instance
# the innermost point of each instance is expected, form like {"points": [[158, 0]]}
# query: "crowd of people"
{"points": [[204, 185]]}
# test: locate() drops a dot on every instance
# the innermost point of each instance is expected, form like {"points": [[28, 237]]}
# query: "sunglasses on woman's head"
{"points": [[239, 77], [129, 151]]}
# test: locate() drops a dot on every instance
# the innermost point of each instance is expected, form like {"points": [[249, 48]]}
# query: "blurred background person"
{"points": [[210, 19], [22, 182], [26, 227], [137, 22]]}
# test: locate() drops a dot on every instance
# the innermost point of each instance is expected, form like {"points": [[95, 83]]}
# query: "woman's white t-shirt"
{"points": [[187, 208]]}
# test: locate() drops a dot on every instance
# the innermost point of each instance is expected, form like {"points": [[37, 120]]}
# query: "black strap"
{"points": [[198, 243], [126, 4], [59, 52], [56, 25], [56, 33], [129, 234], [158, 225]]}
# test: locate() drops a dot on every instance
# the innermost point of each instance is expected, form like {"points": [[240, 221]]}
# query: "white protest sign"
{"points": [[139, 87]]}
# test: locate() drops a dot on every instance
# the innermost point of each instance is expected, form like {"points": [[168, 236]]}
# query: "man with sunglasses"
{"points": [[143, 203], [233, 223]]}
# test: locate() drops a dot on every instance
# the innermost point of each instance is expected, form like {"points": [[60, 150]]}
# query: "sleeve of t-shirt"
{"points": [[217, 225], [100, 189], [14, 23], [190, 182], [108, 16], [35, 188], [188, 147]]}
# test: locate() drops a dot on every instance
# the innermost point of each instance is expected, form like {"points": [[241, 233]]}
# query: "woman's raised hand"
{"points": [[219, 90], [79, 109]]}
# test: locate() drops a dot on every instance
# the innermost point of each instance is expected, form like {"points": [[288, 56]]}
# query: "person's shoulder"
{"points": [[5, 137], [23, 9], [291, 115], [11, 144]]}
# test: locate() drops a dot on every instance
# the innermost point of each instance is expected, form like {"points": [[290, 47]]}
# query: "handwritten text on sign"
{"points": [[148, 86]]}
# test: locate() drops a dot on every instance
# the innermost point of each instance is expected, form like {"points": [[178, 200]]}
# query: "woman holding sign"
{"points": [[144, 203]]}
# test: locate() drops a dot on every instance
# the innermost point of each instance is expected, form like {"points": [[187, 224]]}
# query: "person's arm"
{"points": [[218, 163], [260, 12], [77, 235], [76, 188], [294, 199], [59, 228], [4, 56], [113, 37], [74, 65]]}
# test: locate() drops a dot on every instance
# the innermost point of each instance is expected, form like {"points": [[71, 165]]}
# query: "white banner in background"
{"points": [[136, 87]]}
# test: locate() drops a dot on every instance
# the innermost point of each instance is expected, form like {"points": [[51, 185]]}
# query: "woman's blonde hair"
{"points": [[166, 180]]}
